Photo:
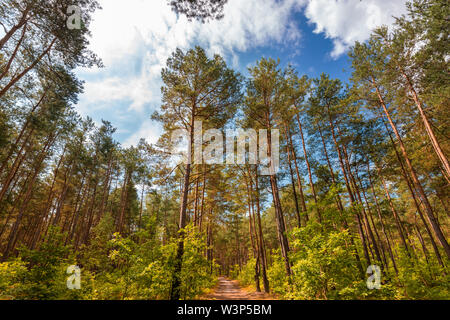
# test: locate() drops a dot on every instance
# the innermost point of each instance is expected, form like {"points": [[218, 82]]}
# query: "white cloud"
{"points": [[135, 37], [347, 21], [119, 29], [149, 130]]}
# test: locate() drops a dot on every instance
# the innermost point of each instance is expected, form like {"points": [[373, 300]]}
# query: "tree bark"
{"points": [[311, 183], [428, 209]]}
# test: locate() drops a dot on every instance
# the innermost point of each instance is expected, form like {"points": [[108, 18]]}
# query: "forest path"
{"points": [[230, 290]]}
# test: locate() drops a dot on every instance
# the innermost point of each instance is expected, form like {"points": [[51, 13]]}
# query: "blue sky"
{"points": [[134, 38]]}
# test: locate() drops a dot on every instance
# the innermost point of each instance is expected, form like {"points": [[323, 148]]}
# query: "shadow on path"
{"points": [[230, 290]]}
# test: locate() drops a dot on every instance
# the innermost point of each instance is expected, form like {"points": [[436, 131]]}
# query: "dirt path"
{"points": [[230, 290]]}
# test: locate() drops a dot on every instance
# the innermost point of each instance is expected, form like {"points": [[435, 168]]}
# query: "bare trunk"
{"points": [[380, 217], [413, 195], [262, 249], [428, 209], [175, 293], [294, 192], [311, 183], [299, 181]]}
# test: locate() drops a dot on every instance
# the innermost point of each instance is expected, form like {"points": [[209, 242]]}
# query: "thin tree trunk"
{"points": [[196, 200], [24, 72], [13, 55], [299, 181], [252, 230], [141, 206], [349, 190], [294, 192], [434, 141], [13, 234], [176, 281], [311, 183], [15, 167], [380, 217], [203, 197], [428, 209], [22, 132], [23, 19], [413, 194], [398, 222], [281, 227], [262, 249]]}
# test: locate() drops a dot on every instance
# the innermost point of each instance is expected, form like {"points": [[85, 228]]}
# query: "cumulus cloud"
{"points": [[347, 21], [149, 130], [135, 37]]}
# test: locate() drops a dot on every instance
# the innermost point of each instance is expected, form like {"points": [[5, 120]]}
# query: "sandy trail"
{"points": [[230, 290]]}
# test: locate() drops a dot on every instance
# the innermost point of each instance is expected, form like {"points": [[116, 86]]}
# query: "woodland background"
{"points": [[364, 170]]}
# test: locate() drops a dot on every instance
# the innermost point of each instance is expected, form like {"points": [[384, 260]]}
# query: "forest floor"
{"points": [[227, 289]]}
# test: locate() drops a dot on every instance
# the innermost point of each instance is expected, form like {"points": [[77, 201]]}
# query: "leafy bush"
{"points": [[247, 275], [112, 267]]}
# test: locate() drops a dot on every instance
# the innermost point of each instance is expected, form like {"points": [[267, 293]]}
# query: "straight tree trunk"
{"points": [[281, 227], [398, 222], [428, 209], [294, 192], [434, 141], [299, 181], [14, 231], [349, 190], [413, 195], [252, 230], [22, 132], [176, 281], [262, 249], [23, 19], [311, 183], [380, 217]]}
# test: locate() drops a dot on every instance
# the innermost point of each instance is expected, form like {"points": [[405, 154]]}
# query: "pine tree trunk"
{"points": [[176, 281], [13, 81], [349, 190], [14, 231], [434, 141], [15, 167], [281, 227], [398, 222], [299, 181], [251, 230], [429, 211], [413, 195], [23, 19], [294, 192], [262, 249], [311, 183], [380, 217], [21, 134]]}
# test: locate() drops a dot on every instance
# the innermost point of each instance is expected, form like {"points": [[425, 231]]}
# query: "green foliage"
{"points": [[421, 279], [115, 268], [247, 274], [136, 275], [73, 195], [11, 274], [197, 271], [234, 271], [323, 268], [276, 273], [41, 274]]}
